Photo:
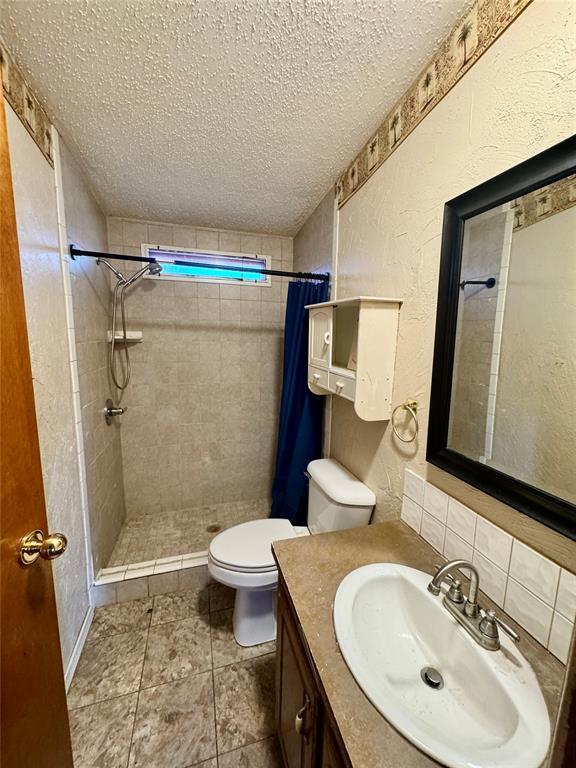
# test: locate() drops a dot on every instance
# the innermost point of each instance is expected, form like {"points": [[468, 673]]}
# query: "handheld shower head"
{"points": [[155, 268]]}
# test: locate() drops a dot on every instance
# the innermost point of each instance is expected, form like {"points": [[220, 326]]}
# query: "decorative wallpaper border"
{"points": [[544, 202], [21, 98], [474, 33]]}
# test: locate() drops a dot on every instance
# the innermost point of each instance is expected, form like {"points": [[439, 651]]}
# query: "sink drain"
{"points": [[432, 678]]}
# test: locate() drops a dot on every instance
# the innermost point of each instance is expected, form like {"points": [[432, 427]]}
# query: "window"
{"points": [[207, 266]]}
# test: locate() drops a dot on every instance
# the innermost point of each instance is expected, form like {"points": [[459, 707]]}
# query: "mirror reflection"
{"points": [[513, 403]]}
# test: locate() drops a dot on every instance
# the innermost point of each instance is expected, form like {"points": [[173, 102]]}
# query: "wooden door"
{"points": [[34, 717], [297, 702], [320, 336]]}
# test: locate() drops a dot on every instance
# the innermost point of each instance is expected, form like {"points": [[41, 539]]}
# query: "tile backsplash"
{"points": [[532, 589]]}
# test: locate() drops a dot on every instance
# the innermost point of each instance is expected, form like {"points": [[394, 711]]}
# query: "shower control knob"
{"points": [[111, 410]]}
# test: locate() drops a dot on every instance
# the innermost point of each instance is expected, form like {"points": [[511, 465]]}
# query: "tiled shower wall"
{"points": [[86, 228], [486, 240], [202, 405]]}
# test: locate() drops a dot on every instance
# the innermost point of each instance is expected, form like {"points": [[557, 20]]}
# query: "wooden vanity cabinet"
{"points": [[306, 735]]}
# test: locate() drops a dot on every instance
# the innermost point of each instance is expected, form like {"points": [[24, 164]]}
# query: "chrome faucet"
{"points": [[471, 608], [480, 624]]}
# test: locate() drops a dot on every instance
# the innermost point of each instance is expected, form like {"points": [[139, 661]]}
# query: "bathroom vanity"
{"points": [[324, 719]]}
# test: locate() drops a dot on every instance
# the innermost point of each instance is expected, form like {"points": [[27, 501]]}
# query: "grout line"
{"points": [[102, 701], [213, 686], [249, 744], [139, 690], [557, 590]]}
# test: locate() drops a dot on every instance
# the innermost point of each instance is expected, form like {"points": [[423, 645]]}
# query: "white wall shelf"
{"points": [[132, 337], [352, 352]]}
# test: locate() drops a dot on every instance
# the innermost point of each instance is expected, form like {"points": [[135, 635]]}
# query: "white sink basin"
{"points": [[490, 712]]}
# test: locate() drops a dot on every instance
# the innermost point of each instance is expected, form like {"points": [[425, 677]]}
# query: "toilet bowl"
{"points": [[241, 557]]}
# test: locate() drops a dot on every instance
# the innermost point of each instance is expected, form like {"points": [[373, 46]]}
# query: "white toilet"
{"points": [[241, 557]]}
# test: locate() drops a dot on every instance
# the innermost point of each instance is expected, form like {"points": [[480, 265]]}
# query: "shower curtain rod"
{"points": [[321, 276]]}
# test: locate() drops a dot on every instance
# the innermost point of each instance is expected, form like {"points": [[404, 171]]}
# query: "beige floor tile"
{"points": [[244, 695], [108, 668], [225, 649], [177, 650], [117, 618], [263, 754], [180, 605], [175, 724], [101, 733]]}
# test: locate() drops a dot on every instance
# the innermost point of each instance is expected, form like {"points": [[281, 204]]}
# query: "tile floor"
{"points": [[161, 682], [166, 534]]}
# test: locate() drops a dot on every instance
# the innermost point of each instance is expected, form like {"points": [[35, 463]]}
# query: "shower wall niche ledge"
{"points": [[352, 352], [133, 337]]}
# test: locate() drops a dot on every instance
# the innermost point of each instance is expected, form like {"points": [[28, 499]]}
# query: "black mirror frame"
{"points": [[555, 163]]}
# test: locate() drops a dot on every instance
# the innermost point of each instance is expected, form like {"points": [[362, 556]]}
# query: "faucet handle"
{"points": [[489, 626], [455, 594]]}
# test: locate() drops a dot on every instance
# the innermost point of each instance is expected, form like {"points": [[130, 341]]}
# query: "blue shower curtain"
{"points": [[300, 426]]}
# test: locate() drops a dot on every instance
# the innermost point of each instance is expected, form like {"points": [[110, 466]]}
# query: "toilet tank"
{"points": [[336, 499]]}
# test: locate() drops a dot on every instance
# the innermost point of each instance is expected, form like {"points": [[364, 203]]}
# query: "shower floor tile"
{"points": [[168, 534]]}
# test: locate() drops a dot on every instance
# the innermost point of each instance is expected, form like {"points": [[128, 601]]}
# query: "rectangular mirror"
{"points": [[503, 405]]}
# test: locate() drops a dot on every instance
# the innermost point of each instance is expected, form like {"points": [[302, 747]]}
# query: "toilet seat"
{"points": [[241, 569], [243, 580], [247, 547]]}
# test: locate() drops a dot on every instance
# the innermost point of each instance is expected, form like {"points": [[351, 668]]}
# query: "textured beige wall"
{"points": [[314, 247], [314, 242], [35, 198], [203, 401], [390, 230], [535, 424], [86, 228]]}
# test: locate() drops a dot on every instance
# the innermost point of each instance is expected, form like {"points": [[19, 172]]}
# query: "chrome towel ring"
{"points": [[412, 407]]}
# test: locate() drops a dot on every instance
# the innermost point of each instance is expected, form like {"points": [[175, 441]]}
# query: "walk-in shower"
{"points": [[194, 370]]}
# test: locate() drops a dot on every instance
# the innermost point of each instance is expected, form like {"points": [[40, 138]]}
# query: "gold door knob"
{"points": [[35, 545]]}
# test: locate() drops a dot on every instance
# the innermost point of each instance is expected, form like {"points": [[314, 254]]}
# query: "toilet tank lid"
{"points": [[340, 484]]}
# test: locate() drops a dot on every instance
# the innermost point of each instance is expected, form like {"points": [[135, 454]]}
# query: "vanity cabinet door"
{"points": [[330, 753], [297, 702]]}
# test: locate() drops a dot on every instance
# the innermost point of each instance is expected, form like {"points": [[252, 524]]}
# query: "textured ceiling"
{"points": [[237, 113]]}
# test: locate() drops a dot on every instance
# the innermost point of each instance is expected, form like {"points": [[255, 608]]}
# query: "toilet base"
{"points": [[254, 616]]}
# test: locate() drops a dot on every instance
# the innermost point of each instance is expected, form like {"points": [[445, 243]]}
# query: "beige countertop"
{"points": [[312, 568]]}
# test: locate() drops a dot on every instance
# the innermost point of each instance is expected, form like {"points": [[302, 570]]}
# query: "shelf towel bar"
{"points": [[489, 283], [412, 407]]}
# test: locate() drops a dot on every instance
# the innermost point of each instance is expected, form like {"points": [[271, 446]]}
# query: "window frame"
{"points": [[267, 282]]}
